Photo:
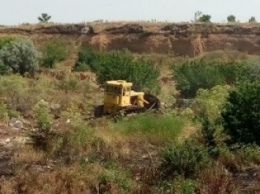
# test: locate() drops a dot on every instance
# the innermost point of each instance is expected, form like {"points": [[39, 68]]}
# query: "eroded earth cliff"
{"points": [[183, 39]]}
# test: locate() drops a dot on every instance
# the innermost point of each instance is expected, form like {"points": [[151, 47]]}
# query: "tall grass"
{"points": [[167, 126]]}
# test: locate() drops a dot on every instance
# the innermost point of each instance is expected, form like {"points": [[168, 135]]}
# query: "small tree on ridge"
{"points": [[231, 18], [44, 18]]}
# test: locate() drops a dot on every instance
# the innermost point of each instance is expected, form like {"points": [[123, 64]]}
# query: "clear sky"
{"points": [[74, 11]]}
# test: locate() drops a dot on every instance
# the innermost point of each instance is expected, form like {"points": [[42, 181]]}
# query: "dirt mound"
{"points": [[126, 29]]}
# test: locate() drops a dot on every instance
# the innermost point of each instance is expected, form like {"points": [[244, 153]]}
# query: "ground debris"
{"points": [[6, 162]]}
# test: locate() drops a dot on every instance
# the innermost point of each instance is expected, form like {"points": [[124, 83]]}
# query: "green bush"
{"points": [[117, 177], [250, 70], [54, 51], [205, 18], [209, 103], [207, 106], [3, 112], [43, 116], [68, 83], [231, 18], [4, 70], [13, 90], [5, 40], [120, 65], [193, 75], [185, 186], [19, 56], [186, 160], [249, 155], [239, 157], [86, 57], [241, 118]]}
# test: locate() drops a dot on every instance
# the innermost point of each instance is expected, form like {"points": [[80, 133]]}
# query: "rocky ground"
{"points": [[142, 161]]}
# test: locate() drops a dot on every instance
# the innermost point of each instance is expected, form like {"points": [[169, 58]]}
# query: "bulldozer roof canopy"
{"points": [[119, 83]]}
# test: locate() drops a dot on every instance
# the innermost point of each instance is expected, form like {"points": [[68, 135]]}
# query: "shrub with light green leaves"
{"points": [[43, 116], [19, 56], [6, 40], [209, 103], [207, 106], [54, 51]]}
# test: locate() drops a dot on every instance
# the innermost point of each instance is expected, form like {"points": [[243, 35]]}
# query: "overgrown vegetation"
{"points": [[19, 56], [163, 128], [53, 51], [6, 40], [185, 160], [179, 150], [231, 18], [193, 75], [120, 65], [241, 115]]}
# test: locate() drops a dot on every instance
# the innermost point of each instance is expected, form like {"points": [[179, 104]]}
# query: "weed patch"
{"points": [[163, 126]]}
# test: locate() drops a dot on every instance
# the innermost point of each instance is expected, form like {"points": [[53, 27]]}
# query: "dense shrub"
{"points": [[43, 116], [13, 91], [19, 56], [5, 40], [239, 157], [191, 76], [186, 160], [231, 18], [209, 103], [250, 70], [86, 57], [207, 106], [54, 51], [205, 18], [4, 70], [120, 65], [242, 113]]}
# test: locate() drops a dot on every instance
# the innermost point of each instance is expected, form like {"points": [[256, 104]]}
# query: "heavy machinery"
{"points": [[120, 98]]}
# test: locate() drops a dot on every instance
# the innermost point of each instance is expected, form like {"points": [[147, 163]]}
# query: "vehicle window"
{"points": [[127, 91]]}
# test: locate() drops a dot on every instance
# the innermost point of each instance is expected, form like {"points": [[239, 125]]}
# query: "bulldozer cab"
{"points": [[117, 95]]}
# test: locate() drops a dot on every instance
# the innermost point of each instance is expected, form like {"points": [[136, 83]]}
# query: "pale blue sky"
{"points": [[74, 11]]}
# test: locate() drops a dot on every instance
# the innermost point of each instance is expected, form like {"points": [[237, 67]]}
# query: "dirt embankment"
{"points": [[186, 39]]}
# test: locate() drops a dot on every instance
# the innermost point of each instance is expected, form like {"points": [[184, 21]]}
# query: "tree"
{"points": [[197, 15], [252, 20], [44, 18], [204, 18], [231, 18], [54, 51], [116, 65], [19, 56], [241, 118]]}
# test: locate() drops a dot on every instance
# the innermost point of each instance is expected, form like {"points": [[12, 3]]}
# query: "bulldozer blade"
{"points": [[153, 102]]}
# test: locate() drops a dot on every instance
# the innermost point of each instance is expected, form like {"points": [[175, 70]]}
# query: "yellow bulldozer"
{"points": [[120, 98]]}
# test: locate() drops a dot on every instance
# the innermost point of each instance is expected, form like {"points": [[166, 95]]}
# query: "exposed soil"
{"points": [[187, 39]]}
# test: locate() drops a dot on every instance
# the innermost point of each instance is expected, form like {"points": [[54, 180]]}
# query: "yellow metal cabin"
{"points": [[118, 95]]}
